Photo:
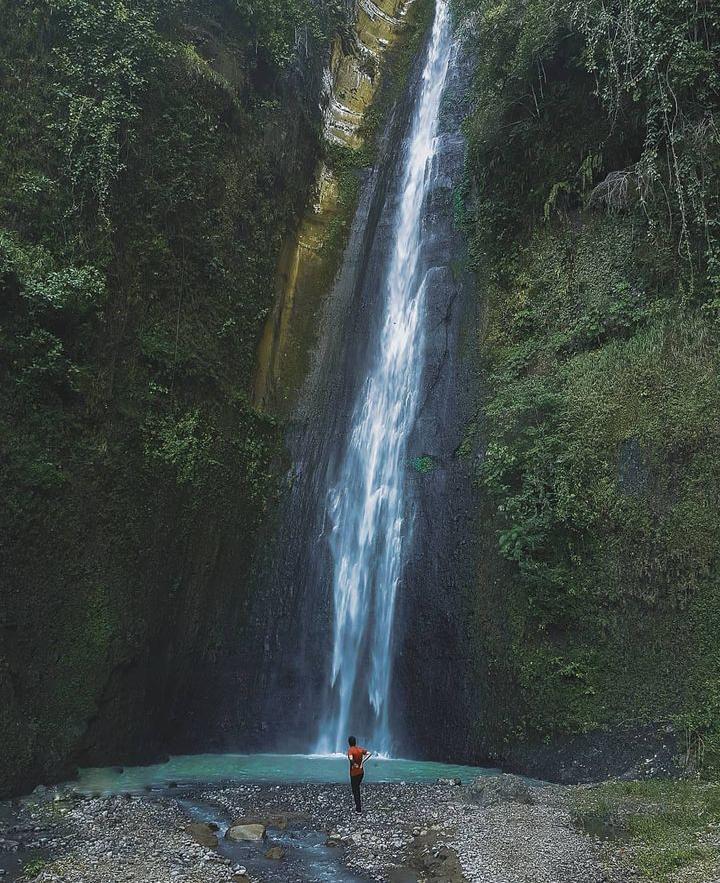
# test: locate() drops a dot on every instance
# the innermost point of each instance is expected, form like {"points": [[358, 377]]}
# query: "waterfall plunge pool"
{"points": [[198, 783], [206, 769]]}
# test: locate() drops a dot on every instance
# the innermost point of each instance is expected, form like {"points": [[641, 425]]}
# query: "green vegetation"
{"points": [[592, 207], [345, 163], [665, 829], [154, 155], [33, 868], [423, 465]]}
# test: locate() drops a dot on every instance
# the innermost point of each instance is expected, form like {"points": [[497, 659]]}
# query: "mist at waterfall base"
{"points": [[359, 607]]}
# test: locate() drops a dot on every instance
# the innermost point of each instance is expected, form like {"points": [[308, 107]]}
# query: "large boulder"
{"points": [[489, 790], [245, 832]]}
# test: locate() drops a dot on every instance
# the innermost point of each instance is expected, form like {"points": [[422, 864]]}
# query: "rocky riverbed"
{"points": [[497, 830]]}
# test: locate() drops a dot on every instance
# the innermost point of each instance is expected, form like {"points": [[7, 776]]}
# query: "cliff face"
{"points": [[280, 685], [157, 155], [431, 695], [182, 175], [366, 67], [596, 603], [165, 160]]}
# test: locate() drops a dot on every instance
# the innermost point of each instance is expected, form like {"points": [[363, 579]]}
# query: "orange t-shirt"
{"points": [[356, 754]]}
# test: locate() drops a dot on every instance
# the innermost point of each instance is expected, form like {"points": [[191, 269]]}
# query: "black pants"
{"points": [[355, 785]]}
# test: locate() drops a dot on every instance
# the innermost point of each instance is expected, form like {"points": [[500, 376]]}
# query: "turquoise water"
{"points": [[288, 768]]}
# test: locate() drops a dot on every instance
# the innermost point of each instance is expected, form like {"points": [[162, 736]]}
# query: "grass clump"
{"points": [[33, 868], [666, 829]]}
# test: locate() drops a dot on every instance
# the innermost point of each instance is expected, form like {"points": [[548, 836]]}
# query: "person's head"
{"points": [[352, 741]]}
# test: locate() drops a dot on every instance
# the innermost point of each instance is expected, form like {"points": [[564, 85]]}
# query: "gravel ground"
{"points": [[514, 841], [497, 831]]}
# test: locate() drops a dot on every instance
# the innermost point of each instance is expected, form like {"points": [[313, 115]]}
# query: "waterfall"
{"points": [[366, 507]]}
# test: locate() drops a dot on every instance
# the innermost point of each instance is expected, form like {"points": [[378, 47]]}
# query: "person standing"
{"points": [[357, 757]]}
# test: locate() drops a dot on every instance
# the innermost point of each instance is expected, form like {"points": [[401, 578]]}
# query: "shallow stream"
{"points": [[306, 858]]}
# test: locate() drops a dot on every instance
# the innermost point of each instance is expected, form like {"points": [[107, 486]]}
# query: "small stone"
{"points": [[275, 853]]}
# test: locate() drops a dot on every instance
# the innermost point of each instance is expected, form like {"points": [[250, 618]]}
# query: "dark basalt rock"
{"points": [[284, 667], [435, 702], [624, 753], [499, 789]]}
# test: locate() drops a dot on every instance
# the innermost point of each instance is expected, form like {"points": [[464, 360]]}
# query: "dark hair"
{"points": [[352, 741]]}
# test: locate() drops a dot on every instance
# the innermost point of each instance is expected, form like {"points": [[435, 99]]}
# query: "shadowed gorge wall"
{"points": [[591, 206], [141, 231], [155, 156], [278, 687], [372, 56], [180, 181]]}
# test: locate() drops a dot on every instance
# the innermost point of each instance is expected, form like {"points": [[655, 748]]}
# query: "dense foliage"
{"points": [[592, 206], [154, 154]]}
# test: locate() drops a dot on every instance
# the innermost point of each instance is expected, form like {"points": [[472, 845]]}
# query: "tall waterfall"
{"points": [[367, 510]]}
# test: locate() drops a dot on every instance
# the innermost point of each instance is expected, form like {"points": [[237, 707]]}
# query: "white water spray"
{"points": [[367, 507]]}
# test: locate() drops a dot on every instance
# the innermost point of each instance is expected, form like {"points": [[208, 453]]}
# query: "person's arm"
{"points": [[366, 756]]}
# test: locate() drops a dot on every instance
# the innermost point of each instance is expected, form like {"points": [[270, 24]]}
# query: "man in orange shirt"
{"points": [[357, 757]]}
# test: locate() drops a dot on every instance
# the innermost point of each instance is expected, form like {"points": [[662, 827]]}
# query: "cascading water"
{"points": [[371, 524]]}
